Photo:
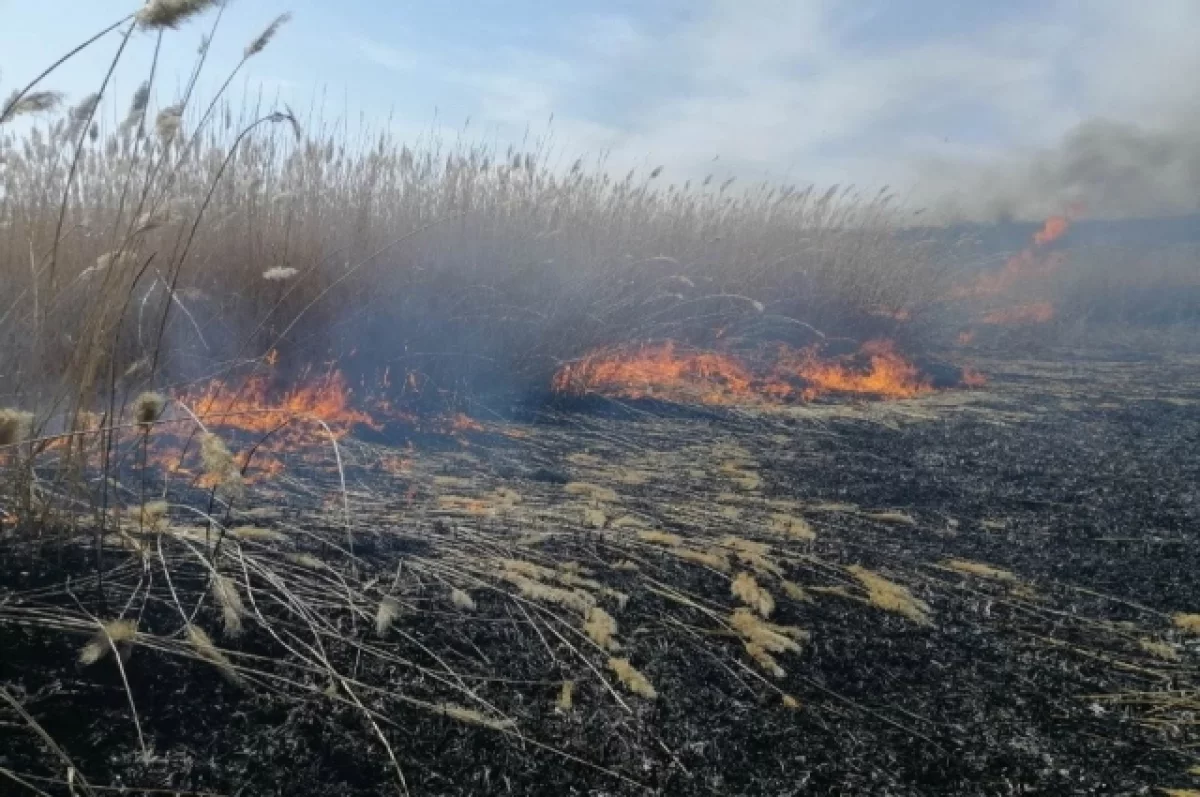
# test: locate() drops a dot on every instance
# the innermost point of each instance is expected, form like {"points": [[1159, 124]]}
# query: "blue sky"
{"points": [[868, 92]]}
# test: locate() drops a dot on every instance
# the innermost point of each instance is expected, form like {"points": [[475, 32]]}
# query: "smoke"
{"points": [[1102, 168]]}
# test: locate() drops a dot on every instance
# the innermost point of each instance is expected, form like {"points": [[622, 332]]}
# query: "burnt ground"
{"points": [[1060, 671]]}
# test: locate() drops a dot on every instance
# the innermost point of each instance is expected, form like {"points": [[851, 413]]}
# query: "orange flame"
{"points": [[973, 378], [664, 371], [1054, 228], [1028, 264]]}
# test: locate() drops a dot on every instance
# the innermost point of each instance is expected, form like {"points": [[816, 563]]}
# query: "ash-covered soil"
{"points": [[1044, 529]]}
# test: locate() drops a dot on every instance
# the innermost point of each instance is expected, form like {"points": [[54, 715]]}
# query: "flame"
{"points": [[1034, 313], [667, 371], [973, 378], [656, 371], [1029, 264], [1054, 228]]}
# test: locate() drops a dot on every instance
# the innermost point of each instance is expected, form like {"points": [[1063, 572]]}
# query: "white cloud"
{"points": [[808, 91]]}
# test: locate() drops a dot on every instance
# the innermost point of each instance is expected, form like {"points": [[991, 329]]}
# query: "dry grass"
{"points": [[634, 680], [1189, 623], [115, 632], [979, 569], [891, 597], [746, 589]]}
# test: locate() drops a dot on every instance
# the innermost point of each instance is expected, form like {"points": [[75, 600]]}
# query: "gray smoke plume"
{"points": [[1105, 169]]}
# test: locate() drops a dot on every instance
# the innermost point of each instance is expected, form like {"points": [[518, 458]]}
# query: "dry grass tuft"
{"points": [[256, 533], [768, 636], [152, 517], [171, 13], [462, 600], [532, 589], [226, 594], [661, 538], [792, 526], [472, 717], [1187, 622], [208, 651], [892, 597], [15, 426], [566, 696], [764, 659], [634, 681], [386, 614], [118, 631], [219, 467], [979, 569], [601, 627], [746, 589], [592, 491], [898, 518], [794, 591], [306, 560], [1160, 650], [714, 558]]}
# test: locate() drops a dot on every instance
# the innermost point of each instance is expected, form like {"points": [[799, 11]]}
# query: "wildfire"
{"points": [[255, 407], [657, 371], [666, 371], [1030, 263], [1035, 313]]}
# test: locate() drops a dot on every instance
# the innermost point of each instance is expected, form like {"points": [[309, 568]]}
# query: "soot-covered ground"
{"points": [[1059, 668]]}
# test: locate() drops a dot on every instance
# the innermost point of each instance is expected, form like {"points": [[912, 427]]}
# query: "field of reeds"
{"points": [[575, 596]]}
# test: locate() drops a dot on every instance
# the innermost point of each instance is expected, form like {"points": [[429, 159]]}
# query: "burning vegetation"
{"points": [[780, 375], [424, 470]]}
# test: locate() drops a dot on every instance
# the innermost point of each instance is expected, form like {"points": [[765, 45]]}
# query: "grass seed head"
{"points": [[472, 717], [634, 681], [97, 648], [602, 628], [148, 407], [208, 651], [171, 13], [31, 103], [746, 589], [261, 41], [566, 696], [230, 600], [462, 600], [892, 597], [979, 569], [386, 614], [1187, 622], [152, 516]]}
